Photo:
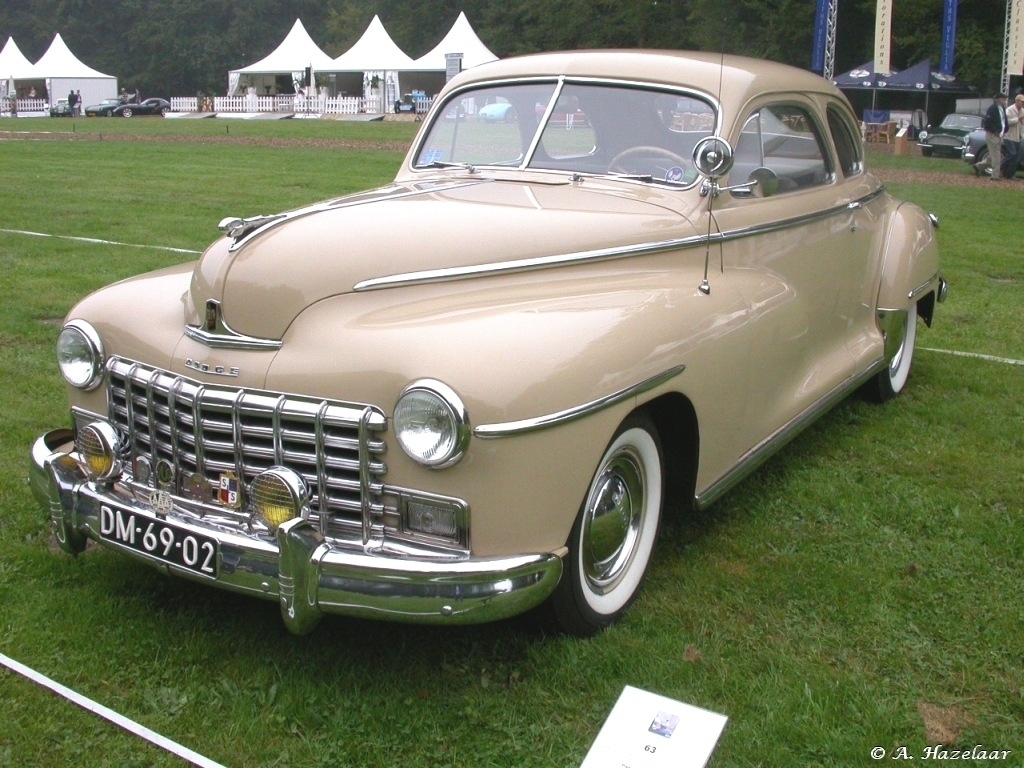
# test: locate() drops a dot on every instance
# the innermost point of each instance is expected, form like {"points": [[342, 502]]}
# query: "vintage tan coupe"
{"points": [[470, 392]]}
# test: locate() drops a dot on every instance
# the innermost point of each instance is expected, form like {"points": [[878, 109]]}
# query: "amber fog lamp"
{"points": [[99, 448], [80, 355], [431, 424], [278, 495]]}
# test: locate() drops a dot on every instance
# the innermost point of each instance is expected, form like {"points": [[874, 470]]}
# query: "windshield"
{"points": [[579, 128], [965, 122]]}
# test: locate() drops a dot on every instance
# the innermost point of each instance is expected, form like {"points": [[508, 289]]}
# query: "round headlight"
{"points": [[80, 355], [431, 424]]}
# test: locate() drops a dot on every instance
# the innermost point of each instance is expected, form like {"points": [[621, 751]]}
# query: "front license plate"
{"points": [[160, 540]]}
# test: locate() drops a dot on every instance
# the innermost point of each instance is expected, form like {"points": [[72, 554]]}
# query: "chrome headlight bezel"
{"points": [[431, 424], [80, 355]]}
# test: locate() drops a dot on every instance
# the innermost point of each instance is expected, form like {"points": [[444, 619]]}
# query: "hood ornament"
{"points": [[238, 228]]}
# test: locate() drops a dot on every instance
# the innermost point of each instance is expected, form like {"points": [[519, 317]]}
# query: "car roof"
{"points": [[732, 80]]}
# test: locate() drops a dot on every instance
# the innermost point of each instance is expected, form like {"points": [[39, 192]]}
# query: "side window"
{"points": [[847, 141], [784, 139]]}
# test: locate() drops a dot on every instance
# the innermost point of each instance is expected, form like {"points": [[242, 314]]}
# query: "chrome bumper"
{"points": [[304, 573]]}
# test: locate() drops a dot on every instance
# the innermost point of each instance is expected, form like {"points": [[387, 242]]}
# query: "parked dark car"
{"points": [[61, 109], [947, 140], [104, 109], [158, 107]]}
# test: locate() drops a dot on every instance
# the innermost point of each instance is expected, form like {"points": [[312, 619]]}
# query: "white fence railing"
{"points": [[25, 106], [295, 104]]}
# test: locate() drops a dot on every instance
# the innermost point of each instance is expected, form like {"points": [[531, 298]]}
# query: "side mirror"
{"points": [[713, 157], [764, 182]]}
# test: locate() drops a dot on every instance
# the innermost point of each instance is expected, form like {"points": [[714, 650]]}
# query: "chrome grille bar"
{"points": [[205, 430]]}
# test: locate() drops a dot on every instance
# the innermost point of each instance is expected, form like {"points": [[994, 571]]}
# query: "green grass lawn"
{"points": [[860, 590]]}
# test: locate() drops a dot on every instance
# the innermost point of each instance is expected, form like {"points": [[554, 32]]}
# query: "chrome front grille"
{"points": [[203, 431]]}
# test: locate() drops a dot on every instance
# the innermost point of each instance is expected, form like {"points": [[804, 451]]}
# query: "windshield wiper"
{"points": [[442, 164], [644, 177]]}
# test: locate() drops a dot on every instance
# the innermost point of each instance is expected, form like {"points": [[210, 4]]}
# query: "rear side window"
{"points": [[847, 141], [784, 139]]}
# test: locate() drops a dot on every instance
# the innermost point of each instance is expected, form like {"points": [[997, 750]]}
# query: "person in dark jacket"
{"points": [[995, 126]]}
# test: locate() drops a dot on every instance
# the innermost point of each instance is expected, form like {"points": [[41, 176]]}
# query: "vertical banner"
{"points": [[820, 35], [883, 36], [948, 37], [1015, 39]]}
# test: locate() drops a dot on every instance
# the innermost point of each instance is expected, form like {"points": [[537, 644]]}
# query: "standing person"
{"points": [[78, 103], [994, 124], [1012, 141]]}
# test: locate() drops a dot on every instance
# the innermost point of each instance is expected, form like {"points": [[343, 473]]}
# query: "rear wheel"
{"points": [[613, 537], [893, 380]]}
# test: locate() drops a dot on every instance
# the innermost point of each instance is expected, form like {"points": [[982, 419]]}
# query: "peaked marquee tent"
{"points": [[460, 39], [60, 71], [296, 52], [13, 65], [373, 54]]}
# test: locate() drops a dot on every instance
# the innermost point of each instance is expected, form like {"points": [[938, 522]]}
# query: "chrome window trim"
{"points": [[523, 426], [559, 81], [601, 254]]}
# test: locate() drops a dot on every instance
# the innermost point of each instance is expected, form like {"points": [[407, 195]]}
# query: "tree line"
{"points": [[184, 47]]}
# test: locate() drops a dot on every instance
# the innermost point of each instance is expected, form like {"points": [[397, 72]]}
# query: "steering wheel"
{"points": [[620, 163]]}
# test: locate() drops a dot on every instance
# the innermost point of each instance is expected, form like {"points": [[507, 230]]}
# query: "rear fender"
{"points": [[910, 270]]}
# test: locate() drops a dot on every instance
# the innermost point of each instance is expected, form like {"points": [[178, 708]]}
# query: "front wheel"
{"points": [[613, 536], [893, 380], [126, 113]]}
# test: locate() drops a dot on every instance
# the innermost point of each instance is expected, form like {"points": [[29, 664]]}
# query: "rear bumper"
{"points": [[307, 575]]}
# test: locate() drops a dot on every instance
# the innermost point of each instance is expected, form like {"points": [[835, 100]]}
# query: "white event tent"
{"points": [[431, 68], [13, 66], [296, 52], [374, 54], [462, 39], [61, 72]]}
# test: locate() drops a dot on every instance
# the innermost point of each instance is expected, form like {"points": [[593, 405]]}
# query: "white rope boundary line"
{"points": [[119, 720], [96, 241], [976, 356]]}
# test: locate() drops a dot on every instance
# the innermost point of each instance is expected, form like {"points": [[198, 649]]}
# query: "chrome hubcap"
{"points": [[612, 521]]}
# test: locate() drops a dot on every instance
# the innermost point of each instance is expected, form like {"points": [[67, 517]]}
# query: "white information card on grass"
{"points": [[645, 730]]}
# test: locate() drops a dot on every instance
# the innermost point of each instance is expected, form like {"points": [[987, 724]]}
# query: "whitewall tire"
{"points": [[613, 536]]}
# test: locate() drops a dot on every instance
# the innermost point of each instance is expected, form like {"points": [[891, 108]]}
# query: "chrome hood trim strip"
{"points": [[600, 254], [257, 225], [523, 426]]}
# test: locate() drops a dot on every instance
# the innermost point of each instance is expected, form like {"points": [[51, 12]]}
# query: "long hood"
{"points": [[442, 230]]}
